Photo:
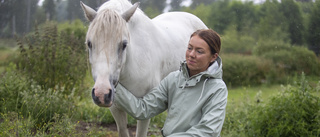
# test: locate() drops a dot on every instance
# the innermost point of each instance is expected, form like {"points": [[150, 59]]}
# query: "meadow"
{"points": [[46, 82]]}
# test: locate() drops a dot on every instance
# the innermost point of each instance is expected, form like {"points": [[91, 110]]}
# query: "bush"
{"points": [[14, 124], [53, 59], [42, 104], [234, 42], [294, 112], [76, 29], [246, 70], [17, 94], [11, 84], [290, 59]]}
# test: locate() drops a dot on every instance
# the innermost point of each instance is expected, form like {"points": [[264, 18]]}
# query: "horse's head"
{"points": [[107, 40]]}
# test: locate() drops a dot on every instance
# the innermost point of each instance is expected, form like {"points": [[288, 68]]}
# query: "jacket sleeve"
{"points": [[149, 106], [212, 119]]}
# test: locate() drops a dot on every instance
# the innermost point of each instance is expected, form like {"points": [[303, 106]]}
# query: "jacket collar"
{"points": [[214, 71]]}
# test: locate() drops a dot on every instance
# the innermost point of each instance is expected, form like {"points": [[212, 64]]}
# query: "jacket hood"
{"points": [[214, 71]]}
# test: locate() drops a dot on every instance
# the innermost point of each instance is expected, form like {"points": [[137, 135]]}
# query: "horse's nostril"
{"points": [[92, 92], [110, 93], [94, 97]]}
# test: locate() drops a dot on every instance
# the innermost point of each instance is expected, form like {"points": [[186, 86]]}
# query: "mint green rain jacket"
{"points": [[196, 105]]}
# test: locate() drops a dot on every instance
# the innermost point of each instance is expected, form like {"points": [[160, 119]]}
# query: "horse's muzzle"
{"points": [[104, 100]]}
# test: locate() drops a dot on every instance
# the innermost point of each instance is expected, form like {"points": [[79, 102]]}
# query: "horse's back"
{"points": [[178, 20], [175, 29]]}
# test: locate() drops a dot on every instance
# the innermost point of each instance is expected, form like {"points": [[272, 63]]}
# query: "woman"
{"points": [[195, 96]]}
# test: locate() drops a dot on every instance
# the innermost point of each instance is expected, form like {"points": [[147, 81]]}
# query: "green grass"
{"points": [[252, 94], [6, 52]]}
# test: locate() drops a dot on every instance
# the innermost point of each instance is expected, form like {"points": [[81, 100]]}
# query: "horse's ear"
{"points": [[88, 12], [127, 15]]}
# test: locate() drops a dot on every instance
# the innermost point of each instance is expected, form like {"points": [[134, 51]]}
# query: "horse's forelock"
{"points": [[106, 29]]}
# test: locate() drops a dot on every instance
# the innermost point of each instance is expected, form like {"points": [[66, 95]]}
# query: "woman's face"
{"points": [[198, 55]]}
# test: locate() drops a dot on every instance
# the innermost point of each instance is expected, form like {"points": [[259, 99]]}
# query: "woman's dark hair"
{"points": [[211, 37]]}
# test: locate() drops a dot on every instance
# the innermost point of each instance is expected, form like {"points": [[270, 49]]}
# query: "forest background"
{"points": [[270, 52]]}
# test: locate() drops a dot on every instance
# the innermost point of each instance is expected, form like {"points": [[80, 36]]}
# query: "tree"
{"points": [[74, 10], [293, 19], [202, 11], [175, 5], [196, 3], [244, 15], [313, 38], [49, 8], [6, 16], [95, 3], [272, 22], [158, 5], [16, 17], [220, 16]]}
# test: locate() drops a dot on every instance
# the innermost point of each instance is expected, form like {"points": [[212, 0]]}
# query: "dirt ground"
{"points": [[111, 129]]}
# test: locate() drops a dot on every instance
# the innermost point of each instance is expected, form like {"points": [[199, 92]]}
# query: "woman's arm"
{"points": [[149, 106]]}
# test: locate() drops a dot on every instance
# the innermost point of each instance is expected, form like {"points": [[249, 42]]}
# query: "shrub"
{"points": [[294, 112], [76, 28], [53, 59], [23, 96], [236, 118], [14, 124], [43, 104], [11, 84], [246, 70], [290, 59], [234, 42]]}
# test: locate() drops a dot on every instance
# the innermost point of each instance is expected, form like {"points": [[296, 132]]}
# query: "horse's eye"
{"points": [[124, 44], [89, 44]]}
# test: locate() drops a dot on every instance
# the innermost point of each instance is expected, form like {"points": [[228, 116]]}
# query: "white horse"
{"points": [[128, 47]]}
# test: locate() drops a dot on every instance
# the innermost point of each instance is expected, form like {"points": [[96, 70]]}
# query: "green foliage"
{"points": [[15, 124], [30, 101], [271, 23], [75, 29], [202, 11], [293, 112], [11, 84], [289, 59], [244, 15], [220, 16], [240, 70], [314, 29], [236, 118], [90, 112], [293, 19], [158, 121], [42, 104], [234, 42], [151, 13], [54, 59]]}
